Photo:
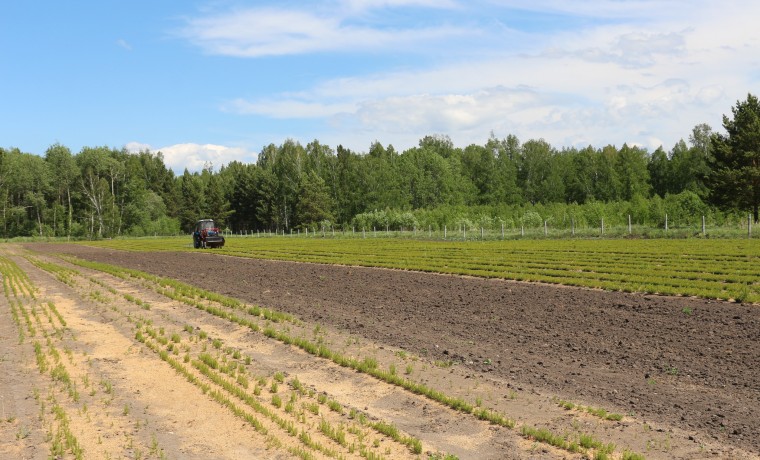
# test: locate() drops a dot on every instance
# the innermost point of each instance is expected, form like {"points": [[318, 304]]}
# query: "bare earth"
{"points": [[684, 372]]}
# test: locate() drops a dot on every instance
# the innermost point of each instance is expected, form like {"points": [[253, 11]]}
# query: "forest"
{"points": [[104, 192]]}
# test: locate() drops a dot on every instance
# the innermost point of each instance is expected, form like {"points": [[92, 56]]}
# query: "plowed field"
{"points": [[148, 370]]}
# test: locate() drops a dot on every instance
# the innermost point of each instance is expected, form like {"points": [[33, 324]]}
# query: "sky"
{"points": [[206, 82]]}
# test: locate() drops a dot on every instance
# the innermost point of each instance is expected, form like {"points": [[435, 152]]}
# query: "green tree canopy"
{"points": [[735, 165]]}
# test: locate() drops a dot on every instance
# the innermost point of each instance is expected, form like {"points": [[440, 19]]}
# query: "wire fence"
{"points": [[475, 233]]}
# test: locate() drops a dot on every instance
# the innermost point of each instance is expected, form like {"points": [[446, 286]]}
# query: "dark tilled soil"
{"points": [[685, 362]]}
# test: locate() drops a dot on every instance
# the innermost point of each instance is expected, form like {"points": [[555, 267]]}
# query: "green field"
{"points": [[719, 269]]}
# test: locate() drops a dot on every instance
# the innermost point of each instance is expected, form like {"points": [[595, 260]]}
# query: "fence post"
{"points": [[704, 233], [364, 233], [464, 232], [666, 222], [572, 226], [502, 230], [522, 230], [444, 232], [546, 231], [602, 225], [749, 225], [430, 231], [481, 233], [629, 224]]}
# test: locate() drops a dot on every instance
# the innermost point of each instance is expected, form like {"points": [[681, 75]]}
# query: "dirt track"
{"points": [[678, 362]]}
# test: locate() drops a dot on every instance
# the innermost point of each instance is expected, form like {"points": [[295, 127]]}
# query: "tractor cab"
{"points": [[207, 235]]}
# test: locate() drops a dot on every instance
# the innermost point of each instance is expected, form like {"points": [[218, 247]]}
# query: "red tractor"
{"points": [[207, 235]]}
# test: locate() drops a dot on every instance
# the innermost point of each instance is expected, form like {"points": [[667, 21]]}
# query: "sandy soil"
{"points": [[684, 372]]}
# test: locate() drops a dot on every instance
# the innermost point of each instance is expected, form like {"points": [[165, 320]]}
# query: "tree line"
{"points": [[106, 192]]}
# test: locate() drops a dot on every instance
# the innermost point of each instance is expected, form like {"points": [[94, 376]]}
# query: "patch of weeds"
{"points": [[335, 406], [544, 435], [587, 441], [209, 360], [597, 412], [289, 407], [153, 445], [567, 405], [742, 293], [440, 456], [671, 370], [242, 381], [23, 432], [688, 311], [603, 414], [336, 434], [368, 364], [297, 385], [312, 407]]}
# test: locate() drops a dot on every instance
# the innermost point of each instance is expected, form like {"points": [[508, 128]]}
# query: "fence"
{"points": [[474, 233]]}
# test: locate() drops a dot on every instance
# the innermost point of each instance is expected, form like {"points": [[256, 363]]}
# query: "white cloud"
{"points": [[287, 108], [195, 157], [426, 113], [135, 147], [360, 5], [643, 82], [605, 9], [260, 32]]}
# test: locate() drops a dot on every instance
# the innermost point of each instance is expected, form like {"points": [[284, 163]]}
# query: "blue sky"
{"points": [[217, 80]]}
